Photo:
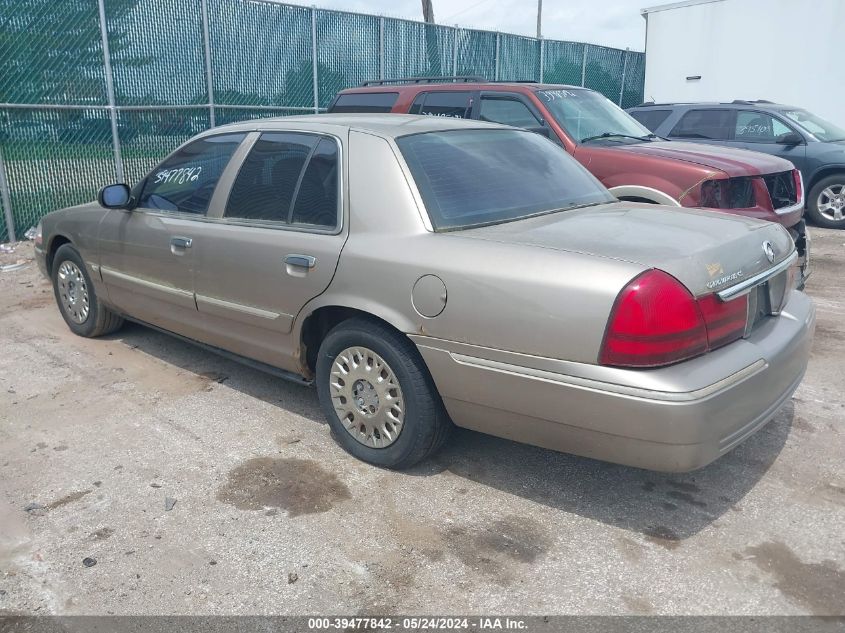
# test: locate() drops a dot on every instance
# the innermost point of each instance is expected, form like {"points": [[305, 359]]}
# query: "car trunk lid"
{"points": [[707, 251]]}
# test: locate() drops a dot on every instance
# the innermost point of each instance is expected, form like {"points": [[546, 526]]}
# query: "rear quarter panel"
{"points": [[503, 296]]}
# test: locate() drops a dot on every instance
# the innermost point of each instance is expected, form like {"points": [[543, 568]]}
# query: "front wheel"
{"points": [[76, 297], [378, 396], [826, 202]]}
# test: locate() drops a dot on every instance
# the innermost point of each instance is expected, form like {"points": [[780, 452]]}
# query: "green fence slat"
{"points": [[415, 49], [347, 51], [261, 53], [54, 158], [157, 52], [634, 80], [604, 70], [562, 62], [476, 53], [52, 51], [519, 58]]}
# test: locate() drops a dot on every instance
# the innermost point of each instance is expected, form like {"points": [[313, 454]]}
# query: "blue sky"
{"points": [[607, 22]]}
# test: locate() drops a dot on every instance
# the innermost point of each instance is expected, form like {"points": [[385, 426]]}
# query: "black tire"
{"points": [[99, 320], [837, 182], [426, 424]]}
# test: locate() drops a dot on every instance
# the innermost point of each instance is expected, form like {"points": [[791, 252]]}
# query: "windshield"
{"points": [[815, 125], [474, 177], [585, 114]]}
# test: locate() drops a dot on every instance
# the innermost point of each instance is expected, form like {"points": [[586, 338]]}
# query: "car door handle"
{"points": [[304, 261], [181, 242]]}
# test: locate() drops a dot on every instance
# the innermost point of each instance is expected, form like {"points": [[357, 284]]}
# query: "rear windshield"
{"points": [[474, 177], [364, 102]]}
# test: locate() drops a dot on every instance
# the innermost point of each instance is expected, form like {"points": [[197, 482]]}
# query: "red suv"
{"points": [[627, 158]]}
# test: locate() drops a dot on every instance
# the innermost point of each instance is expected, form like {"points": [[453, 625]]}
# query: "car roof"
{"points": [[409, 86], [386, 125], [738, 104]]}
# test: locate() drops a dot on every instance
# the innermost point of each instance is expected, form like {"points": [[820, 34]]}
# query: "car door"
{"points": [[146, 253], [272, 246], [762, 132]]}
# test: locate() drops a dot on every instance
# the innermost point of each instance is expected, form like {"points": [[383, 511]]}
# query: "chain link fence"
{"points": [[97, 91]]}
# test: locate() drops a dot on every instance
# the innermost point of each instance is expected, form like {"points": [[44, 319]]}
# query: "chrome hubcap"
{"points": [[831, 202], [73, 292], [367, 397]]}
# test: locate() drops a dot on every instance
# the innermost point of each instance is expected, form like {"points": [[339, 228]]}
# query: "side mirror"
{"points": [[114, 196], [790, 138]]}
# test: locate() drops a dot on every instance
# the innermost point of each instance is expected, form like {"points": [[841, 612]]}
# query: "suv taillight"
{"points": [[656, 321]]}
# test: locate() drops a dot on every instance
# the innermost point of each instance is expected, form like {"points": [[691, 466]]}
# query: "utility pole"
{"points": [[539, 19], [428, 11]]}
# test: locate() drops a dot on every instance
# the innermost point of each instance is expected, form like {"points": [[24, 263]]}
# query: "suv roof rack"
{"points": [[750, 101], [423, 80]]}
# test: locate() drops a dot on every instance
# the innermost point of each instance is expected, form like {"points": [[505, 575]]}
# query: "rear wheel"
{"points": [[76, 297], [826, 202], [378, 396]]}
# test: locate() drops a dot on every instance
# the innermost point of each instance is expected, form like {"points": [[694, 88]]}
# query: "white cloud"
{"points": [[614, 23]]}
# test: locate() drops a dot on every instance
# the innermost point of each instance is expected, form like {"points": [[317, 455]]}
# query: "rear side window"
{"points": [[316, 200], [267, 181], [716, 125], [651, 118], [185, 182], [450, 104], [508, 112], [288, 178], [475, 177], [365, 102]]}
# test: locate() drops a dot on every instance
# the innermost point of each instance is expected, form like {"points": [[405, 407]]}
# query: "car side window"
{"points": [[267, 181], [652, 119], [449, 104], [316, 200], [759, 127], [185, 182], [714, 124], [754, 127], [507, 111]]}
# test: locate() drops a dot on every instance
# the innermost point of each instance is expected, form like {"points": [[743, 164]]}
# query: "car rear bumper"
{"points": [[672, 419]]}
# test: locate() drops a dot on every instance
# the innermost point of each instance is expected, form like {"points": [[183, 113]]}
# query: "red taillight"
{"points": [[656, 321], [725, 320], [799, 186]]}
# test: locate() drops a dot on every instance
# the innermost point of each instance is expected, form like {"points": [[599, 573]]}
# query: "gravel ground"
{"points": [[98, 438]]}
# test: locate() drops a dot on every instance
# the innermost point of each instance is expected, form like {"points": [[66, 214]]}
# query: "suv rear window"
{"points": [[474, 177], [651, 118], [364, 102], [714, 124]]}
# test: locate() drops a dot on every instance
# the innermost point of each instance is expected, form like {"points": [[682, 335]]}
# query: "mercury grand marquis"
{"points": [[424, 272]]}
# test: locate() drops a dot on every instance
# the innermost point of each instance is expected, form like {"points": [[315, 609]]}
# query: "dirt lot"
{"points": [[98, 437]]}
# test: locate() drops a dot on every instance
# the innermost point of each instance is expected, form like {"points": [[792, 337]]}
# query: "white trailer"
{"points": [[786, 51]]}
